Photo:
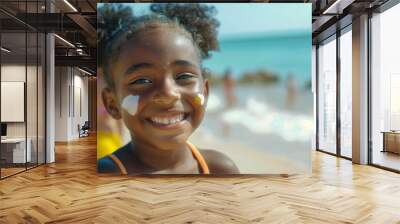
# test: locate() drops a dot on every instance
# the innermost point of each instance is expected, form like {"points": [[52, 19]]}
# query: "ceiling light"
{"points": [[5, 50], [70, 5], [331, 7], [86, 72], [338, 6], [65, 41]]}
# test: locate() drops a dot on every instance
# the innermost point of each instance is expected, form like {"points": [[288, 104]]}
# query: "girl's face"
{"points": [[159, 91]]}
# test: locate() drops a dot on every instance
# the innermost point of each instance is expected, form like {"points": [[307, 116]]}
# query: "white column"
{"points": [[50, 92], [360, 90]]}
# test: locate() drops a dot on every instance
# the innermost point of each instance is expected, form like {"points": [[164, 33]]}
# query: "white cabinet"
{"points": [[17, 145]]}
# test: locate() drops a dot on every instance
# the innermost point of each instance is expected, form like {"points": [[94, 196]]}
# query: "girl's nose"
{"points": [[166, 93]]}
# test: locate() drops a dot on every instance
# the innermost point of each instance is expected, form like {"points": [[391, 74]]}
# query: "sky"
{"points": [[255, 18], [254, 36], [263, 18]]}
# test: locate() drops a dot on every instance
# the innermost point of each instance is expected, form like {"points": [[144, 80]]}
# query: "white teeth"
{"points": [[167, 120]]}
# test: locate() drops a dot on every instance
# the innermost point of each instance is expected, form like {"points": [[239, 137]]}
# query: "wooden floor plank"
{"points": [[70, 191]]}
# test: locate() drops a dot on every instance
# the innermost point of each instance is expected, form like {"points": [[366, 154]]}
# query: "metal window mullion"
{"points": [[338, 98], [26, 87], [369, 88], [317, 95], [37, 90], [45, 94], [73, 92], [0, 93]]}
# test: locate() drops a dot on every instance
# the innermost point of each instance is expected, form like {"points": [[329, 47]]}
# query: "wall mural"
{"points": [[191, 89]]}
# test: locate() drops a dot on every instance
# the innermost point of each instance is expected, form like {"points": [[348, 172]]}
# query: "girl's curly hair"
{"points": [[117, 24]]}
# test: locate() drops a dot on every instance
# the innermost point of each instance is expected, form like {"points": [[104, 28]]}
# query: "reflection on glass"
{"points": [[31, 97], [346, 94], [22, 91], [13, 85], [327, 96], [386, 89], [41, 97], [394, 101]]}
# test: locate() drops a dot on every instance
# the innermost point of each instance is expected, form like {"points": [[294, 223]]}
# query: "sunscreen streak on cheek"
{"points": [[130, 104], [199, 99]]}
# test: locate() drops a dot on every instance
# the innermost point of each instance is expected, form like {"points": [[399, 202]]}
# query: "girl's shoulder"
{"points": [[218, 162], [108, 165]]}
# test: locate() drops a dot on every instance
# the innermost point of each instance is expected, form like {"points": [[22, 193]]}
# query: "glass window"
{"points": [[31, 96], [385, 84], [14, 153], [346, 94], [22, 91], [327, 96], [41, 98]]}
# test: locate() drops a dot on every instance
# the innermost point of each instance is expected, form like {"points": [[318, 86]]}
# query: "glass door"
{"points": [[14, 153], [327, 95], [22, 77]]}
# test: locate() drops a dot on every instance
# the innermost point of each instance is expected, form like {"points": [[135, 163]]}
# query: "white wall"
{"points": [[16, 73], [71, 93], [12, 73], [61, 103], [33, 126]]}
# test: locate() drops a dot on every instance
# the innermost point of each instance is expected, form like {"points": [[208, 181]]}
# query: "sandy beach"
{"points": [[248, 160]]}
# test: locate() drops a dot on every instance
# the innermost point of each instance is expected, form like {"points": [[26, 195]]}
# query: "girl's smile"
{"points": [[169, 120]]}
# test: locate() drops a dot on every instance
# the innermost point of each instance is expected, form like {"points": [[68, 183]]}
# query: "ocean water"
{"points": [[281, 54], [262, 120]]}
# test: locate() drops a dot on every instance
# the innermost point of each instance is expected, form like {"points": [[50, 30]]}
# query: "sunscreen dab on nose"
{"points": [[199, 99], [130, 104]]}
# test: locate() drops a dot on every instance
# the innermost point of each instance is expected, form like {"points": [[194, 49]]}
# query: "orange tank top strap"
{"points": [[197, 155], [119, 164], [200, 159]]}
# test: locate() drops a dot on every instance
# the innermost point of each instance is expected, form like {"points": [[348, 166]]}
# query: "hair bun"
{"points": [[196, 18], [112, 17]]}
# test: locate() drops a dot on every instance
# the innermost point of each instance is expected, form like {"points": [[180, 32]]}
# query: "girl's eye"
{"points": [[184, 76], [141, 81]]}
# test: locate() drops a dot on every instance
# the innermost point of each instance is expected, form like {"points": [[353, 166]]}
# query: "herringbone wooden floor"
{"points": [[70, 191]]}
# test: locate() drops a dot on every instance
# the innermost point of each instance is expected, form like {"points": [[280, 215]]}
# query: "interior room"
{"points": [[49, 131], [22, 99], [385, 89]]}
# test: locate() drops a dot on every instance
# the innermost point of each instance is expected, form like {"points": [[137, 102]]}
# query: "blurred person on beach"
{"points": [[156, 85], [230, 97], [291, 87], [229, 89]]}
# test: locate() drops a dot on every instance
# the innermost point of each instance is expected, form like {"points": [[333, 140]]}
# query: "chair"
{"points": [[84, 130]]}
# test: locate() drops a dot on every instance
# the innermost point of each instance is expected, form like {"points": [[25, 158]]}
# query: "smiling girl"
{"points": [[156, 84]]}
